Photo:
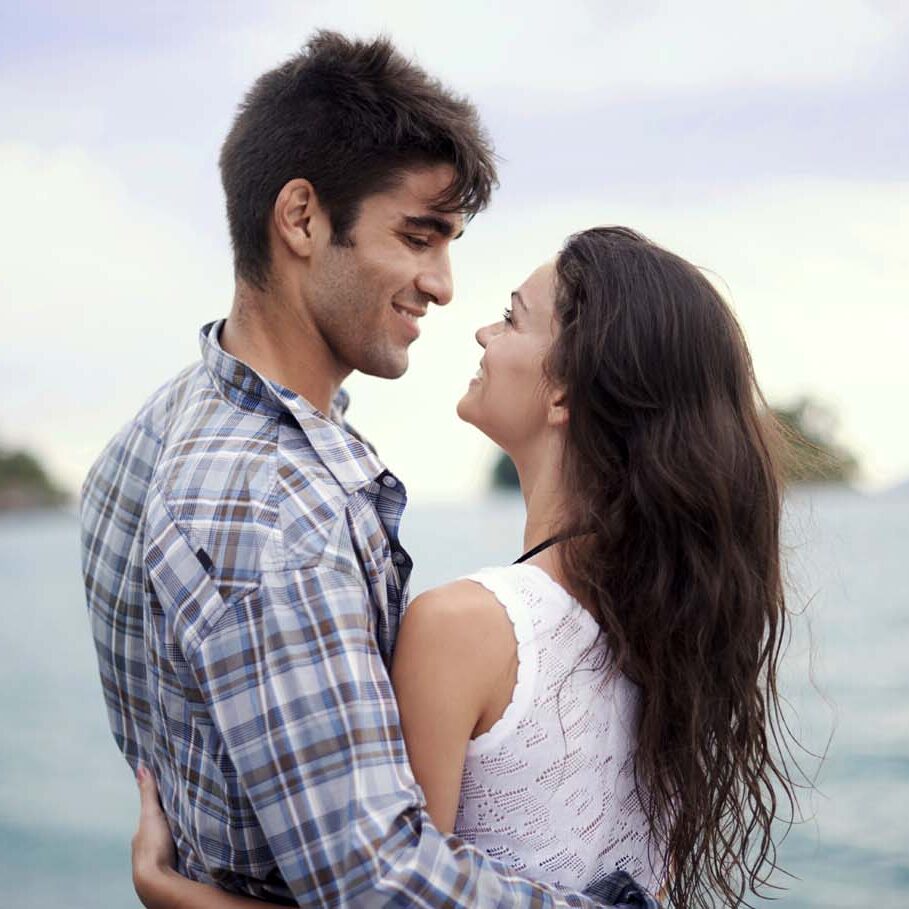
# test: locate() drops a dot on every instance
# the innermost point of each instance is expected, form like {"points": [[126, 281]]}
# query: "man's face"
{"points": [[367, 299]]}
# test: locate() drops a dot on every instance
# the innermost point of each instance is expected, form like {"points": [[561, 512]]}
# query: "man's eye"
{"points": [[416, 242], [507, 316]]}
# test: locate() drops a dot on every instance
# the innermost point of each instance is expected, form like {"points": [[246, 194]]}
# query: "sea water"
{"points": [[68, 802]]}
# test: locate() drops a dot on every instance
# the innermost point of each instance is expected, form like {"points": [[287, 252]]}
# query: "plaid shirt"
{"points": [[245, 583]]}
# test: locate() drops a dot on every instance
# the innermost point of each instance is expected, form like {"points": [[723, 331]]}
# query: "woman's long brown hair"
{"points": [[674, 489]]}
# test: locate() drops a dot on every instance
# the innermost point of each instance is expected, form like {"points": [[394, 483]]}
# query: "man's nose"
{"points": [[436, 281]]}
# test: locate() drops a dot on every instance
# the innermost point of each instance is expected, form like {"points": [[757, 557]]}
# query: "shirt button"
{"points": [[389, 481], [399, 558]]}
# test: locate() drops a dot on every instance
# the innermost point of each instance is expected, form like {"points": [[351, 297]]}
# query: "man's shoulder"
{"points": [[242, 485], [246, 486], [150, 422], [117, 484]]}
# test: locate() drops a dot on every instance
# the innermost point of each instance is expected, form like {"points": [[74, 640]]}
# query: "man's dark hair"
{"points": [[350, 117]]}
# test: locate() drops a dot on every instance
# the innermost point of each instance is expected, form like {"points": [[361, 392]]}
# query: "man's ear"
{"points": [[557, 412], [298, 216]]}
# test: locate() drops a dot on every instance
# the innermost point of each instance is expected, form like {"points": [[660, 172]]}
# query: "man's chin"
{"points": [[388, 367]]}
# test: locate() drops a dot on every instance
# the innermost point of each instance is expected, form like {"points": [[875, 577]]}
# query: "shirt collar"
{"points": [[349, 460]]}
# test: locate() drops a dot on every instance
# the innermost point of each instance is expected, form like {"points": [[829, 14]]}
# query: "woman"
{"points": [[620, 710]]}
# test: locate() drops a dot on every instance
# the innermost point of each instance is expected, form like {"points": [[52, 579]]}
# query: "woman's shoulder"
{"points": [[461, 593], [461, 613], [487, 601], [458, 637]]}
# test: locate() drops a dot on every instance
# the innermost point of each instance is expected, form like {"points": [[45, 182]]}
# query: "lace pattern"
{"points": [[549, 789]]}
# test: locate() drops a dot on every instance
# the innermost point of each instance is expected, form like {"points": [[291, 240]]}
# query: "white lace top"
{"points": [[548, 790]]}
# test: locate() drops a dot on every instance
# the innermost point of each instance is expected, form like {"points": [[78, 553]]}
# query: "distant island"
{"points": [[25, 484], [812, 455]]}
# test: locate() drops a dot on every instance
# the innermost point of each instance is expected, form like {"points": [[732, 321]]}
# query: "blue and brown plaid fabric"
{"points": [[245, 582]]}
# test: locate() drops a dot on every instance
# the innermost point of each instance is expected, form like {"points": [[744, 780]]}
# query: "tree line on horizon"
{"points": [[812, 455], [25, 484]]}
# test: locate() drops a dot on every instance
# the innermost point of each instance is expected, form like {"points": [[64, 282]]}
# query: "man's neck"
{"points": [[272, 333]]}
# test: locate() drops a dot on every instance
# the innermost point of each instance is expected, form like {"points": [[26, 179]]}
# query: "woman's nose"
{"points": [[482, 335]]}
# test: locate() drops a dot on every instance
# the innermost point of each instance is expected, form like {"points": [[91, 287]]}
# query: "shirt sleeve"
{"points": [[297, 689]]}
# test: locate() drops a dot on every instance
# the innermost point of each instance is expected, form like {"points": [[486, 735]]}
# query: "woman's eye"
{"points": [[507, 316], [417, 242]]}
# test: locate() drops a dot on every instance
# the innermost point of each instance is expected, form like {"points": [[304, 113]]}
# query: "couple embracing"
{"points": [[588, 726]]}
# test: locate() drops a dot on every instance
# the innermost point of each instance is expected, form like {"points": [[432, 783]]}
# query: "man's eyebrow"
{"points": [[517, 298], [434, 223]]}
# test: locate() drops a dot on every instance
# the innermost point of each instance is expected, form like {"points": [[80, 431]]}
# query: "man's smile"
{"points": [[410, 317]]}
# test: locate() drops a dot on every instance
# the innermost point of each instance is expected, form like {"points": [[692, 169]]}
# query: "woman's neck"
{"points": [[543, 490]]}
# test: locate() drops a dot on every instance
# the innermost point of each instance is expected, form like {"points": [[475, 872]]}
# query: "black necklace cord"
{"points": [[558, 538]]}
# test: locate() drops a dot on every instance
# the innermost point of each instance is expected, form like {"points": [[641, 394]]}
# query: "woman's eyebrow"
{"points": [[517, 298]]}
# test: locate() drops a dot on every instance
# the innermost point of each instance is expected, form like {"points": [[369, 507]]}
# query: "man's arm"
{"points": [[300, 696], [290, 675], [310, 722]]}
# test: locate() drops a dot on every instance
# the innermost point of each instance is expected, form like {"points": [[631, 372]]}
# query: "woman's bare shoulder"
{"points": [[461, 615], [461, 594]]}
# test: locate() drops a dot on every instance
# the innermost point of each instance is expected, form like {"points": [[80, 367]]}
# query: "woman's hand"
{"points": [[155, 878], [153, 851]]}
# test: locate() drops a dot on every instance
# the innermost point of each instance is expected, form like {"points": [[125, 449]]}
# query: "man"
{"points": [[242, 564]]}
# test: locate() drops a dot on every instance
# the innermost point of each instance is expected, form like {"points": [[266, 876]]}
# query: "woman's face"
{"points": [[507, 399]]}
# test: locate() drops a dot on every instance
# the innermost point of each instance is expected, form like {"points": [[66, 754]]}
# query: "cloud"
{"points": [[529, 57], [616, 49], [760, 140], [101, 300], [814, 269], [103, 297]]}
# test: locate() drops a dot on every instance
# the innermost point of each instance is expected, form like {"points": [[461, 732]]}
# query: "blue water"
{"points": [[67, 800]]}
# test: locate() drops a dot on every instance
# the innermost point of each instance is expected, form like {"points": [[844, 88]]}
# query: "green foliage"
{"points": [[811, 455], [25, 484], [505, 474]]}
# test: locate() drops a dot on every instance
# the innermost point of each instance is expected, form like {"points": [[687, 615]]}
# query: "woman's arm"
{"points": [[453, 673], [157, 883]]}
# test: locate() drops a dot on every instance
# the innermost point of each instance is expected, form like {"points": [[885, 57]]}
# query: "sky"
{"points": [[766, 142]]}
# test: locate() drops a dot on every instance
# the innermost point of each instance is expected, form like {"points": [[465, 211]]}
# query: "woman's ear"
{"points": [[557, 411], [298, 216]]}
